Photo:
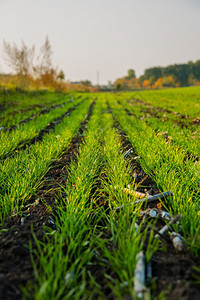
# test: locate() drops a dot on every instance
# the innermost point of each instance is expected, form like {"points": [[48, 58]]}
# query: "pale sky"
{"points": [[109, 36]]}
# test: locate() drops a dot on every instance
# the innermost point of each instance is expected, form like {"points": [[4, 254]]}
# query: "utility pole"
{"points": [[97, 78]]}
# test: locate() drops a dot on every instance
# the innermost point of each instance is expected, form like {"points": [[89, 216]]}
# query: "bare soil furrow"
{"points": [[2, 107]]}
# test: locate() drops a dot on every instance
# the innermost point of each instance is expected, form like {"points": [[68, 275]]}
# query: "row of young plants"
{"points": [[13, 102], [186, 137], [16, 117], [181, 100], [92, 252], [21, 174], [162, 113], [27, 131], [120, 248], [67, 250], [166, 163]]}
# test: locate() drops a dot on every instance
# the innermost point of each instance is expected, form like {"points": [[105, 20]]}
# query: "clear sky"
{"points": [[109, 36]]}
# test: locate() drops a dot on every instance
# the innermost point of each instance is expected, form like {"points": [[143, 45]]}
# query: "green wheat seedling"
{"points": [[21, 174], [179, 100], [126, 239], [166, 164], [27, 131], [186, 138], [18, 104], [9, 118], [63, 260]]}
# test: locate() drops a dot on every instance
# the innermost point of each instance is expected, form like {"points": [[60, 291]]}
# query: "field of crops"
{"points": [[100, 195]]}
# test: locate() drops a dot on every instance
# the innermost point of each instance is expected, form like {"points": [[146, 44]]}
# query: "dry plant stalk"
{"points": [[148, 199], [132, 192]]}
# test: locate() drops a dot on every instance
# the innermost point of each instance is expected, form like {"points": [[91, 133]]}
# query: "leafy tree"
{"points": [[182, 74], [168, 81], [61, 75], [154, 72], [131, 74], [86, 82], [196, 70], [146, 84], [158, 83]]}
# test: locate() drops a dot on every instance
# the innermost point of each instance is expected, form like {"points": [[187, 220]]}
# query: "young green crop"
{"points": [[21, 174], [124, 240], [79, 218], [12, 102], [182, 100], [27, 131], [89, 234], [13, 118], [74, 227], [187, 137], [167, 164]]}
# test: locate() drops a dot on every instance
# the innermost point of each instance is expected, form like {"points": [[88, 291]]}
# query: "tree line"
{"points": [[182, 74], [37, 70], [176, 75]]}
